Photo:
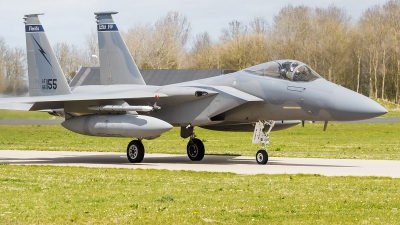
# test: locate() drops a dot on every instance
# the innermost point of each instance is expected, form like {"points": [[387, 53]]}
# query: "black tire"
{"points": [[135, 151], [262, 157], [195, 149]]}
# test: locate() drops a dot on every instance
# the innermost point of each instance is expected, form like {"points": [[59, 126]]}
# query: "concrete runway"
{"points": [[211, 163]]}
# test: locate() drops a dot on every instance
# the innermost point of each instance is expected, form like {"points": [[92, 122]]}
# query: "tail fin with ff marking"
{"points": [[44, 72], [116, 63]]}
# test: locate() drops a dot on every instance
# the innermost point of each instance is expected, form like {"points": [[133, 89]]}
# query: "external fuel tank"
{"points": [[117, 125]]}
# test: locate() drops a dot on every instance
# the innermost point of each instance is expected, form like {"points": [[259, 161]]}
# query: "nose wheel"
{"points": [[259, 136], [262, 156]]}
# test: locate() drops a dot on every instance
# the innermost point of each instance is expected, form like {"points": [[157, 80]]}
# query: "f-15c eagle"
{"points": [[287, 91]]}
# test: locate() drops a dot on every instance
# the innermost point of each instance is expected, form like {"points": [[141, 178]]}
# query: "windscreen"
{"points": [[285, 69], [304, 73]]}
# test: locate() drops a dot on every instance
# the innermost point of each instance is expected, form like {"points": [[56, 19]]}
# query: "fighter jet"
{"points": [[271, 96]]}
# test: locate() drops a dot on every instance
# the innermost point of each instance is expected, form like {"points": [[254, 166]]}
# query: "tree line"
{"points": [[12, 69], [362, 55]]}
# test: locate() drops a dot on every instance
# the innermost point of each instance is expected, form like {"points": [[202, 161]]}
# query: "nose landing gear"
{"points": [[260, 136]]}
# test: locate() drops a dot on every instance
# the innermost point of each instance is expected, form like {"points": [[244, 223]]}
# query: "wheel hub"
{"points": [[193, 151], [133, 152], [260, 157]]}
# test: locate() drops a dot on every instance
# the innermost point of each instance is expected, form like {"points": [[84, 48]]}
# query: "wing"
{"points": [[206, 109], [54, 102], [115, 95]]}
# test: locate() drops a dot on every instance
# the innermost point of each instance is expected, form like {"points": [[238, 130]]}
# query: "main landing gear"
{"points": [[260, 136], [195, 147], [135, 151]]}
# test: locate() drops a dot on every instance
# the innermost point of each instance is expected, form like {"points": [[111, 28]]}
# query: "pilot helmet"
{"points": [[282, 71]]}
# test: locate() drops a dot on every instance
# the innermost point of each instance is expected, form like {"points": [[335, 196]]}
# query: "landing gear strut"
{"points": [[135, 151], [195, 147], [260, 136]]}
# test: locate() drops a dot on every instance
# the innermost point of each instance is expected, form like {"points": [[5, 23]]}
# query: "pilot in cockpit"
{"points": [[287, 69], [293, 66]]}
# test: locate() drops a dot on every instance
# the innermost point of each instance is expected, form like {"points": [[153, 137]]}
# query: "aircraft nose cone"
{"points": [[346, 105]]}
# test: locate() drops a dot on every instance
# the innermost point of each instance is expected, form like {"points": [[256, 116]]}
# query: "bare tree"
{"points": [[70, 59], [259, 49], [334, 39], [159, 46], [3, 50], [235, 46], [90, 57], [204, 52], [357, 54], [168, 39], [379, 29], [291, 33], [14, 67], [393, 8], [138, 41]]}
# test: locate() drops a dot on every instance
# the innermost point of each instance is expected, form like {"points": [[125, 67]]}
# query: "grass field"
{"points": [[74, 195], [11, 114], [361, 141], [391, 114], [70, 195]]}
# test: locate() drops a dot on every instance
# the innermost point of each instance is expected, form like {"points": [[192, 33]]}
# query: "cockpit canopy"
{"points": [[285, 69]]}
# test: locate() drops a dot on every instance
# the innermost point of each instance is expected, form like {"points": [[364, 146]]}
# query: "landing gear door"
{"points": [[258, 131]]}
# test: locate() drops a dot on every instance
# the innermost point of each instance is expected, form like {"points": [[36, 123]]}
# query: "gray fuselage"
{"points": [[281, 99]]}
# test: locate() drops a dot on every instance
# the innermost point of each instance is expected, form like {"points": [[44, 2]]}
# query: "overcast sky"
{"points": [[69, 20]]}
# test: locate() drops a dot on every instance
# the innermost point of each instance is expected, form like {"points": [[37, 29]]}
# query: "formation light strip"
{"points": [[291, 107]]}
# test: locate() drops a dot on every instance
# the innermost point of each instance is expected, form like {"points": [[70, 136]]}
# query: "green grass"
{"points": [[391, 114], [72, 195], [11, 114], [361, 141], [390, 106]]}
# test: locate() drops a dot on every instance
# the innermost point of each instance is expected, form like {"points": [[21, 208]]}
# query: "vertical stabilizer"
{"points": [[44, 73], [116, 63]]}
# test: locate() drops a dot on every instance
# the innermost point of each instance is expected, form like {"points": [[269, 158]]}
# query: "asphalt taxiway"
{"points": [[210, 163]]}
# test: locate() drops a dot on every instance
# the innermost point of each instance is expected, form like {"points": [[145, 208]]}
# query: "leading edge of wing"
{"points": [[130, 94], [229, 98], [237, 93], [16, 106]]}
